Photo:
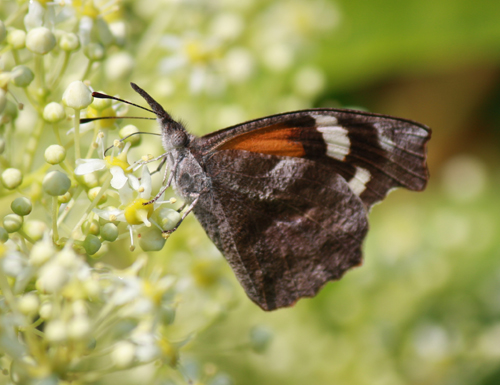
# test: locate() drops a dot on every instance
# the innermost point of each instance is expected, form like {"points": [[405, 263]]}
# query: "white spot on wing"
{"points": [[325, 120], [359, 180], [337, 141], [383, 139]]}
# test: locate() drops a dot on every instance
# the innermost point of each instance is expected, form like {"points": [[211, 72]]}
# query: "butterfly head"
{"points": [[174, 135]]}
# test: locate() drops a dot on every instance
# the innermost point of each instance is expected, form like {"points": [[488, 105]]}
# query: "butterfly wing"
{"points": [[290, 192], [286, 226], [373, 153]]}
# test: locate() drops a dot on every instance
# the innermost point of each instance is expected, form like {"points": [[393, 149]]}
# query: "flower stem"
{"points": [[33, 144], [76, 123], [55, 213], [93, 204]]}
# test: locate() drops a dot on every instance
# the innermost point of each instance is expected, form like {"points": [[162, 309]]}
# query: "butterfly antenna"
{"points": [[99, 95], [155, 106], [88, 120]]}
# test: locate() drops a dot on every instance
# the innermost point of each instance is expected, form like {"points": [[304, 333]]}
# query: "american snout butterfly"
{"points": [[285, 198]]}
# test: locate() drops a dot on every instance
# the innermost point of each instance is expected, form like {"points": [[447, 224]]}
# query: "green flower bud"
{"points": [[12, 178], [151, 239], [55, 154], [94, 51], [3, 31], [12, 222], [167, 218], [17, 38], [91, 227], [4, 235], [21, 206], [260, 338], [89, 180], [22, 76], [35, 229], [130, 129], [109, 232], [77, 95], [101, 104], [10, 112], [40, 40], [69, 42], [28, 304], [92, 194], [53, 112], [56, 183], [92, 244], [3, 100], [64, 198]]}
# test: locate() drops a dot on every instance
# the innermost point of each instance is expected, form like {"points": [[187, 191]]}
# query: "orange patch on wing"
{"points": [[272, 140]]}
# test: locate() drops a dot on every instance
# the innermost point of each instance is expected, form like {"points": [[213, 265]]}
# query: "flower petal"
{"points": [[145, 183], [119, 179], [87, 166]]}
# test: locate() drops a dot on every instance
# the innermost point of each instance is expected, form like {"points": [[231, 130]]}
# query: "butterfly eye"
{"points": [[179, 139]]}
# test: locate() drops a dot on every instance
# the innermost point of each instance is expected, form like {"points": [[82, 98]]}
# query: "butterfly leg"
{"points": [[167, 233], [159, 168], [167, 185]]}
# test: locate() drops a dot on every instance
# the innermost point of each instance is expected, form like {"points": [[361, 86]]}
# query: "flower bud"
{"points": [[3, 100], [94, 51], [56, 183], [35, 229], [22, 76], [69, 42], [46, 310], [92, 194], [28, 304], [91, 227], [119, 66], [123, 354], [167, 218], [41, 252], [101, 104], [12, 178], [77, 95], [52, 277], [21, 206], [64, 198], [3, 31], [4, 235], [40, 40], [55, 154], [12, 222], [79, 328], [53, 112], [128, 130], [10, 112], [17, 38], [109, 232], [151, 239], [56, 331], [260, 338], [92, 244]]}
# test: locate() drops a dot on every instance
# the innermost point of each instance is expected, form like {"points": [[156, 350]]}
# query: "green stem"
{"points": [[70, 205], [39, 71], [92, 144], [87, 70], [93, 204], [56, 79], [57, 135], [55, 214], [32, 145], [20, 12], [26, 236], [7, 291], [76, 123]]}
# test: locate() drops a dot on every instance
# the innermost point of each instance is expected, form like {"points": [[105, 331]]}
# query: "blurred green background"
{"points": [[425, 306]]}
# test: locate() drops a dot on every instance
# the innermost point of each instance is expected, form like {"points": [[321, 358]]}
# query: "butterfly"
{"points": [[285, 198]]}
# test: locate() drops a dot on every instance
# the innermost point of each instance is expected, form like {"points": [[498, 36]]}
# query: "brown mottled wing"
{"points": [[373, 153], [285, 225]]}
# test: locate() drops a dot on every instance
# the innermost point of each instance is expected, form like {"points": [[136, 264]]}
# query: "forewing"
{"points": [[373, 153], [285, 225]]}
